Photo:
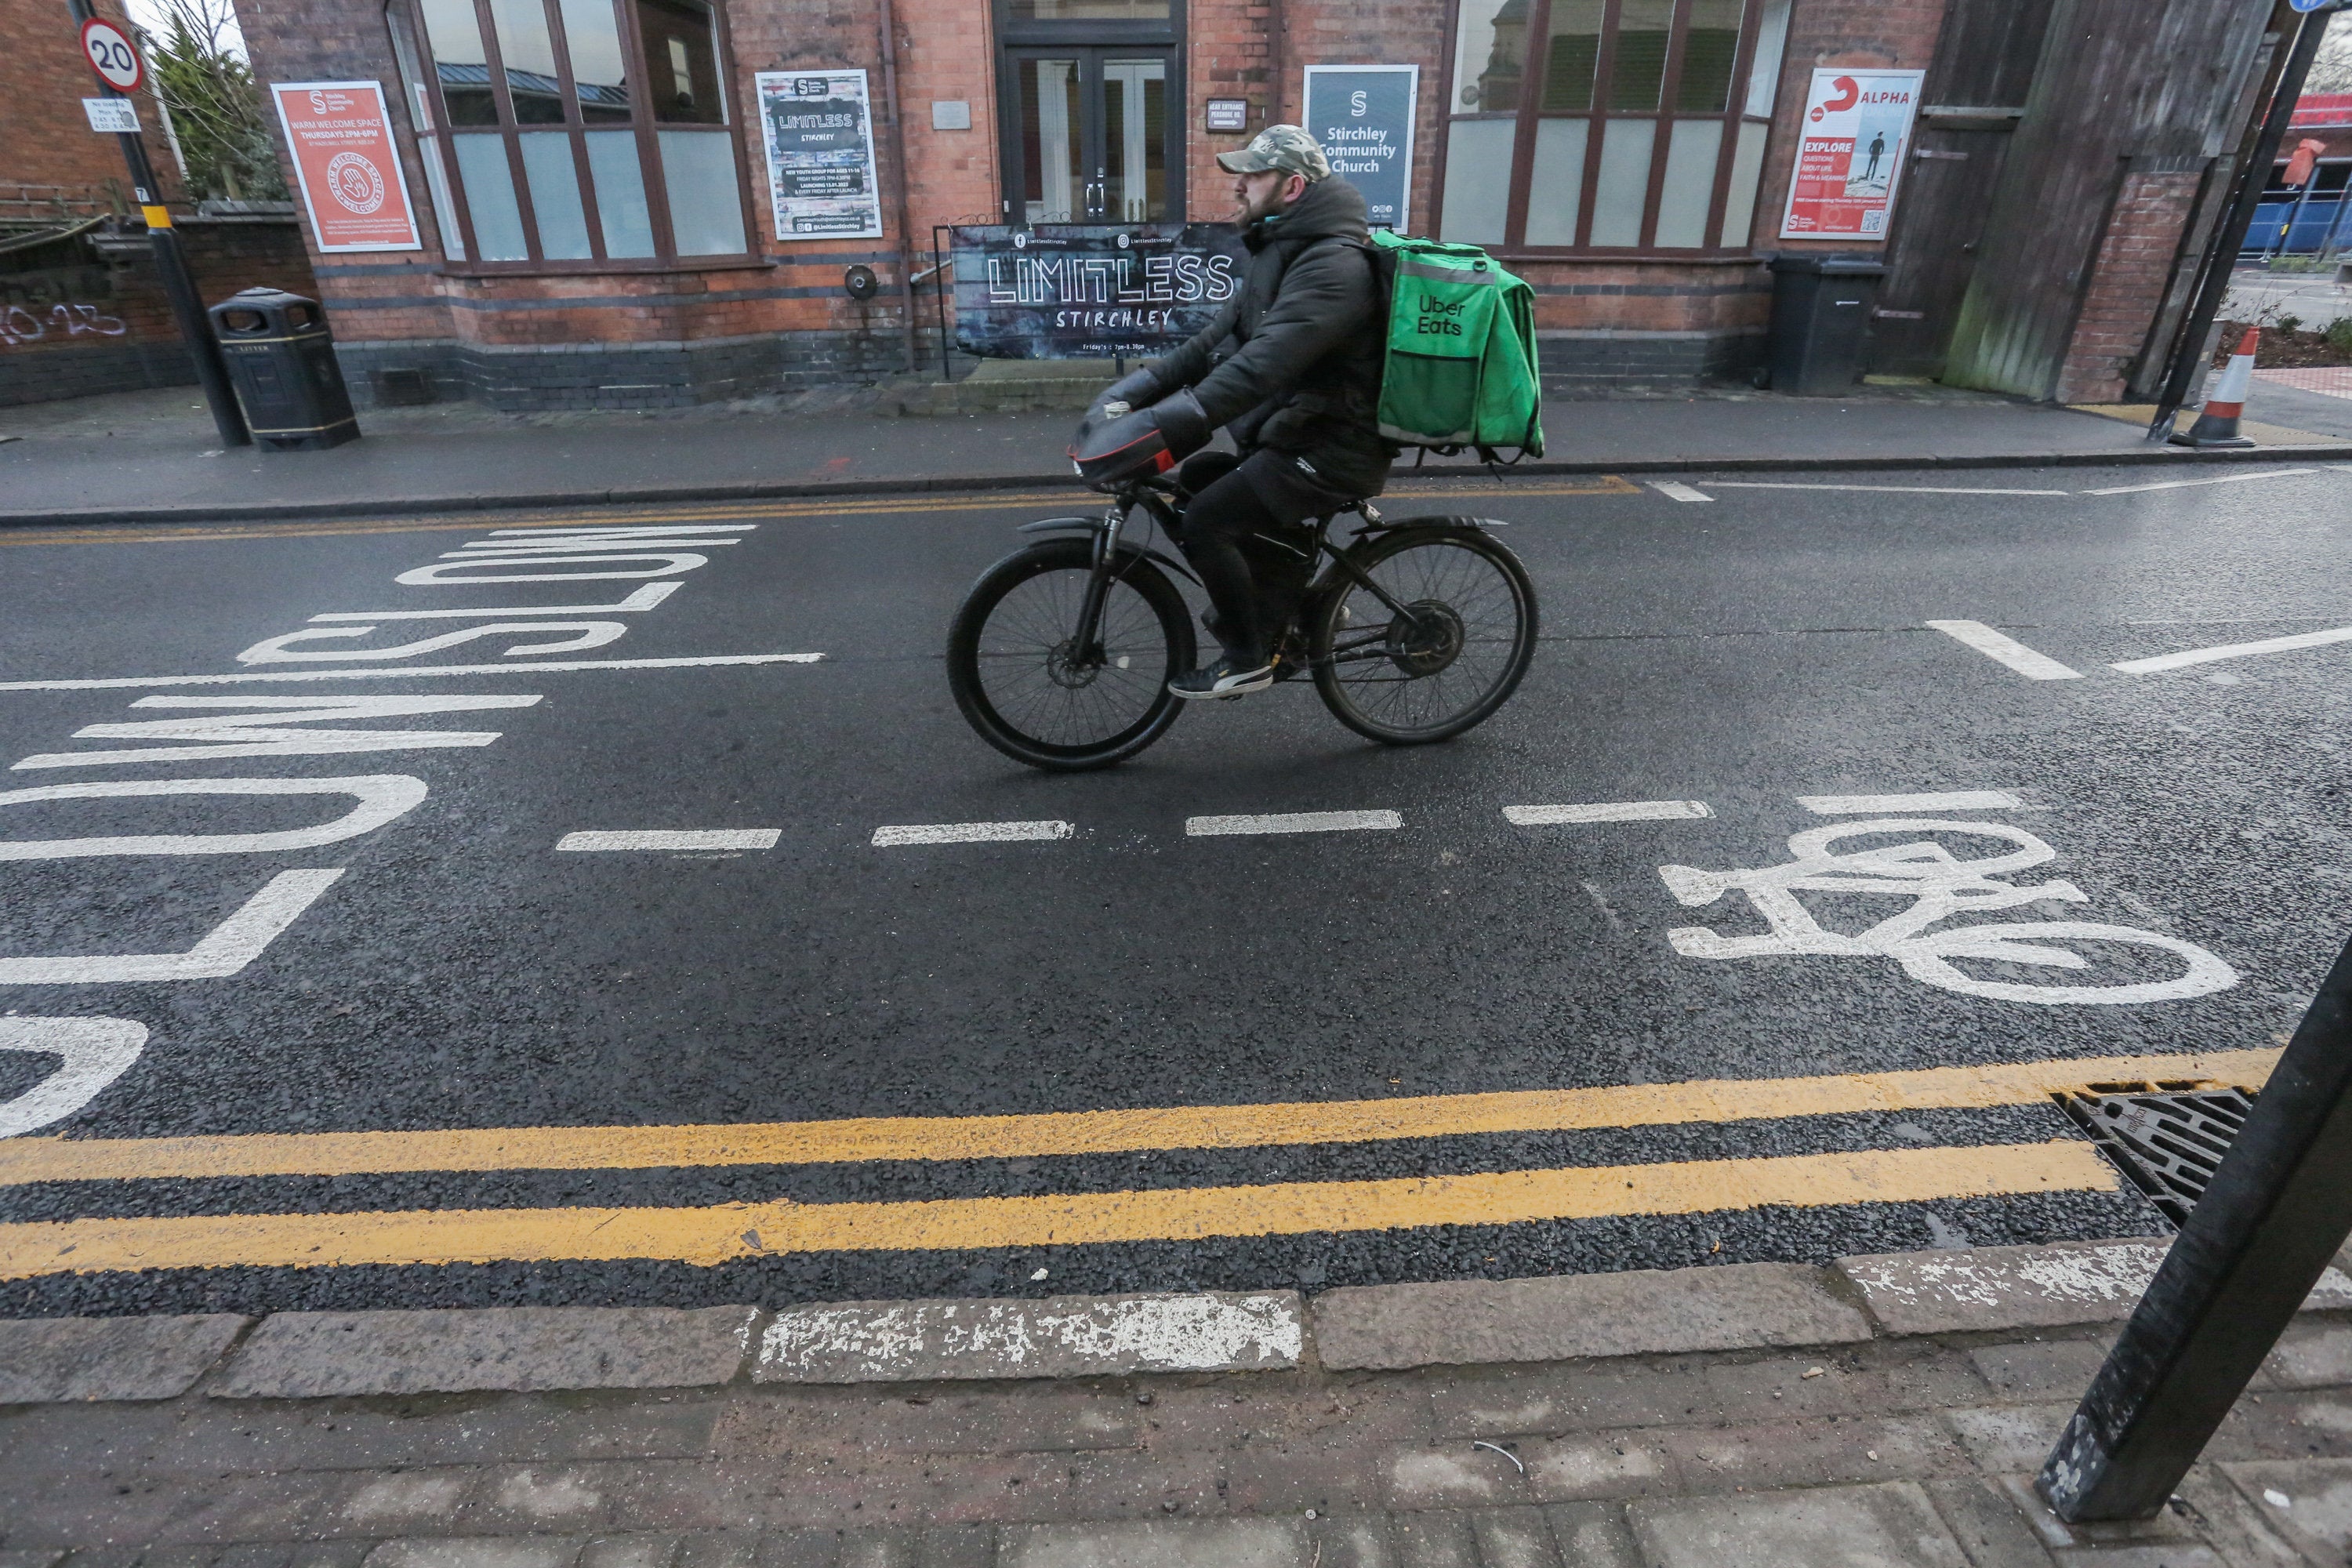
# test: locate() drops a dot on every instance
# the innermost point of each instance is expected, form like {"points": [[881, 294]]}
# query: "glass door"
{"points": [[1089, 136]]}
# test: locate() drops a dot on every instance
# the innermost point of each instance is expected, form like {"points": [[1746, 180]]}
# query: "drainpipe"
{"points": [[1278, 31], [899, 173]]}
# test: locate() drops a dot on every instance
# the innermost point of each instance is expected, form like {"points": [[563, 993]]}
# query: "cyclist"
{"points": [[1291, 366]]}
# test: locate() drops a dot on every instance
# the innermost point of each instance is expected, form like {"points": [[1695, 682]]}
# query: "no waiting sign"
{"points": [[113, 55]]}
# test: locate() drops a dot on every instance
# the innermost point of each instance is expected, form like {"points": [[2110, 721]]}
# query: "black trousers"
{"points": [[1243, 532]]}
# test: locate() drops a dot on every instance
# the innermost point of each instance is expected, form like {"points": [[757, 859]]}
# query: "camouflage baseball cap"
{"points": [[1284, 147]]}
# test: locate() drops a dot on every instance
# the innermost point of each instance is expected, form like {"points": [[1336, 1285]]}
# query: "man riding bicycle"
{"points": [[1291, 366]]}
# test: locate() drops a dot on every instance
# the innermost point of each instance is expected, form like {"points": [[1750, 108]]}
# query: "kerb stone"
{"points": [[2022, 1287], [1887, 1526], [47, 1359], [311, 1355], [1228, 1542], [1737, 1306], [1064, 1336]]}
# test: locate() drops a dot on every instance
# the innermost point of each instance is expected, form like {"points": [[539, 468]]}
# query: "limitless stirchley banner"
{"points": [[1090, 292]]}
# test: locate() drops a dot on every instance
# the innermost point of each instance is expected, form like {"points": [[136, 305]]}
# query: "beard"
{"points": [[1264, 206]]}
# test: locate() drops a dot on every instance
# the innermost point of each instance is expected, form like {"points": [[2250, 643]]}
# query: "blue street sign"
{"points": [[2319, 4], [1363, 117]]}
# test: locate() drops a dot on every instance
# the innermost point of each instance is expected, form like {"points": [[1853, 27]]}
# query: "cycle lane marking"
{"points": [[1877, 804], [2234, 650], [2005, 649], [1041, 1134], [1292, 822], [1606, 811], [2210, 479], [889, 837], [1890, 489], [724, 1232], [664, 838], [1674, 491]]}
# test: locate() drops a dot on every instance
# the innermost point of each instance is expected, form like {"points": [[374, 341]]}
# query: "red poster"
{"points": [[1849, 151], [347, 163]]}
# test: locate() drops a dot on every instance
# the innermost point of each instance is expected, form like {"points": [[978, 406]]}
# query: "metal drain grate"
{"points": [[2167, 1137]]}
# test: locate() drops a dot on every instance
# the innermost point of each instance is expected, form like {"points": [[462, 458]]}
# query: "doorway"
{"points": [[1088, 135]]}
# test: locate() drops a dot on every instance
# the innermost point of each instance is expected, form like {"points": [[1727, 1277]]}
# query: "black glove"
{"points": [[1135, 389], [1183, 421]]}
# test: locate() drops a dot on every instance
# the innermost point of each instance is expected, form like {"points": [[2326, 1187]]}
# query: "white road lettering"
{"points": [[93, 1053], [461, 571], [1292, 822], [2212, 479], [227, 949], [381, 796], [113, 682], [1673, 490], [657, 839], [261, 734], [1605, 811], [2007, 650], [970, 833], [1879, 804], [280, 649], [2234, 650], [644, 598], [1940, 886]]}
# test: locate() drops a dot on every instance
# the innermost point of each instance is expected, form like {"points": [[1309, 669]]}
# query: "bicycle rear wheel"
{"points": [[1454, 658], [1022, 682]]}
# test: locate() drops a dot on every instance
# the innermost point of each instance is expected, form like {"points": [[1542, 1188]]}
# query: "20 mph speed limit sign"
{"points": [[113, 55]]}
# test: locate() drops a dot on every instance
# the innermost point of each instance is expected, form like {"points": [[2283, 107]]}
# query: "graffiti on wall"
{"points": [[67, 319]]}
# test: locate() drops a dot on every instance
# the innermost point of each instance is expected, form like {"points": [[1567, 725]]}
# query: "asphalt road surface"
{"points": [[1684, 957]]}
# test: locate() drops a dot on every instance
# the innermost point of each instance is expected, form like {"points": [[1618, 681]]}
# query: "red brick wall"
{"points": [[50, 159], [2127, 282]]}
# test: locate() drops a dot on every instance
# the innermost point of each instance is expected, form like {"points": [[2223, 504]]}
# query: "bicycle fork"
{"points": [[1086, 642]]}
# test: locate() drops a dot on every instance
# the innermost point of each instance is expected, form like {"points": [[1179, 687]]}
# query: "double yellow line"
{"points": [[715, 1233]]}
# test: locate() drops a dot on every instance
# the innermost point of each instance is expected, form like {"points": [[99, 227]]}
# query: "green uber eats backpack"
{"points": [[1460, 362]]}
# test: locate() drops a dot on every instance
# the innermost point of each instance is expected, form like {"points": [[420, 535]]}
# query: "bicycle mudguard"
{"points": [[1091, 525]]}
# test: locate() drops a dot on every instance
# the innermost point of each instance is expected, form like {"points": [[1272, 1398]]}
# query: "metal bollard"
{"points": [[2276, 1211]]}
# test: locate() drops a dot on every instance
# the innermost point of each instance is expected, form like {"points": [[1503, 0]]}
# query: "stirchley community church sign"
{"points": [[1089, 291]]}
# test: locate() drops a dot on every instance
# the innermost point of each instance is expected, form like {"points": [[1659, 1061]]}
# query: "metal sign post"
{"points": [[2275, 1214], [115, 58]]}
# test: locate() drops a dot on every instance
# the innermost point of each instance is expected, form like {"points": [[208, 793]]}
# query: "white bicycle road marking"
{"points": [[95, 1052], [2234, 650], [2004, 650], [1292, 822], [2184, 484], [1940, 887], [1880, 805]]}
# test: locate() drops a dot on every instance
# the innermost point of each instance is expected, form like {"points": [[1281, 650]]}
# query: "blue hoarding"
{"points": [[1363, 117]]}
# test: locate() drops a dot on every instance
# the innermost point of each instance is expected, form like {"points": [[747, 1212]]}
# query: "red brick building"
{"points": [[593, 186], [80, 309]]}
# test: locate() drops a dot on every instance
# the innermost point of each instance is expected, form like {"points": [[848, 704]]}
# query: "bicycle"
{"points": [[1413, 632]]}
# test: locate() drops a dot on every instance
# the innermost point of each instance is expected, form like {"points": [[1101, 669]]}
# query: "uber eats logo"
{"points": [[1438, 319]]}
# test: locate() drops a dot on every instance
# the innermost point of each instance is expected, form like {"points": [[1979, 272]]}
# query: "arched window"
{"points": [[572, 135], [1628, 126]]}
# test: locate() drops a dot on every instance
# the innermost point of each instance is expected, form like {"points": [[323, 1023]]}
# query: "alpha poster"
{"points": [[819, 127], [1850, 149], [1090, 290], [346, 164], [1363, 117]]}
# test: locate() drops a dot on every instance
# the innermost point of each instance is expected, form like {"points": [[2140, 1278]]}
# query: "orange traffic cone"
{"points": [[2218, 425]]}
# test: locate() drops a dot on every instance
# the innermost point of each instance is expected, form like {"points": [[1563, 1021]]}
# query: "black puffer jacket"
{"points": [[1293, 362]]}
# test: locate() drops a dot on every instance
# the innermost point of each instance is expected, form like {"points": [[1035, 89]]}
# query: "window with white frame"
{"points": [[570, 135], [1617, 126]]}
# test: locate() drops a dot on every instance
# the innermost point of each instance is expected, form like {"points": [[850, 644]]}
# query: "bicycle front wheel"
{"points": [[1444, 647], [1024, 683]]}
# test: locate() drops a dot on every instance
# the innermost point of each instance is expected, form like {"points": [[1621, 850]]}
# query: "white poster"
{"points": [[1849, 151], [819, 127]]}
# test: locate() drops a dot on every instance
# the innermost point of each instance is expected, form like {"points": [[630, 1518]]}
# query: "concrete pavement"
{"points": [[150, 456]]}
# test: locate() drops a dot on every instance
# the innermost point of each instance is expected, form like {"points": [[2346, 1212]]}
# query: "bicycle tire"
{"points": [[970, 686], [1329, 615]]}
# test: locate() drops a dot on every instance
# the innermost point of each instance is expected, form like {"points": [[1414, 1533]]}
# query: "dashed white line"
{"points": [[1292, 822], [969, 833], [1890, 489], [1884, 805], [693, 838], [516, 666], [2006, 650], [2213, 479], [1675, 491], [2234, 650], [1605, 811]]}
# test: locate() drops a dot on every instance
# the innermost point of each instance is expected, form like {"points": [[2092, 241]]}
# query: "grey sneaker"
{"points": [[1226, 678]]}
